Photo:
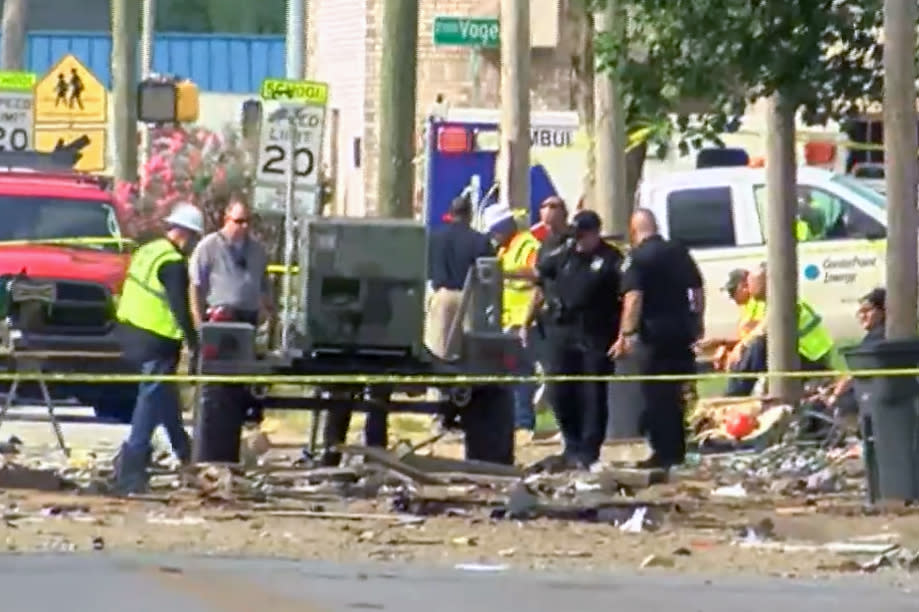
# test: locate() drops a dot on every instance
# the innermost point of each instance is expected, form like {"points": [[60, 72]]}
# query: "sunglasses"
{"points": [[240, 221], [552, 205]]}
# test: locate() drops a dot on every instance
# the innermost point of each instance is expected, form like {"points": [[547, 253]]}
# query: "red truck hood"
{"points": [[65, 263]]}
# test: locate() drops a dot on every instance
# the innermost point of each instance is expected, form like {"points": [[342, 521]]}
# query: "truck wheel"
{"points": [[488, 422], [219, 416]]}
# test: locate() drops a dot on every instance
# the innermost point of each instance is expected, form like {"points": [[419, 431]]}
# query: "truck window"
{"points": [[826, 216], [701, 218], [49, 218]]}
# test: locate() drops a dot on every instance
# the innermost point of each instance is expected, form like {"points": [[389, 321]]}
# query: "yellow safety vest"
{"points": [[751, 313], [814, 340], [517, 293], [143, 300], [802, 231]]}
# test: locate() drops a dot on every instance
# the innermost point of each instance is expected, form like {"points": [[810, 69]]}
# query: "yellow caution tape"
{"points": [[425, 379]]}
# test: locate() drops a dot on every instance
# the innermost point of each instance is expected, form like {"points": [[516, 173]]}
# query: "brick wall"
{"points": [[447, 70]]}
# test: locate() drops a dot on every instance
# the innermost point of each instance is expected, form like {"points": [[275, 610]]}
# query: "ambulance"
{"points": [[719, 213], [460, 153]]}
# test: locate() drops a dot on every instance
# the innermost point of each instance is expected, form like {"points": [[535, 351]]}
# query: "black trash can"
{"points": [[889, 414]]}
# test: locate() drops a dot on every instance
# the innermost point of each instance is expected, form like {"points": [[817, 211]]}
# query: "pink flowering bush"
{"points": [[201, 167], [193, 165]]}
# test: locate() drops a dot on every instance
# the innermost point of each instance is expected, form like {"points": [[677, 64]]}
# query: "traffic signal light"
{"points": [[251, 118], [162, 100]]}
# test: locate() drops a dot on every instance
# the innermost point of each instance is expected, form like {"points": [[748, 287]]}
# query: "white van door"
{"points": [[841, 261], [719, 225]]}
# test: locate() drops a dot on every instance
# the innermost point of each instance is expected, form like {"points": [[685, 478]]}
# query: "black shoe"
{"points": [[554, 464], [329, 458]]}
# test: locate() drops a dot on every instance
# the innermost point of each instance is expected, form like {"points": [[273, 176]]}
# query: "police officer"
{"points": [[154, 320], [662, 310], [582, 320]]}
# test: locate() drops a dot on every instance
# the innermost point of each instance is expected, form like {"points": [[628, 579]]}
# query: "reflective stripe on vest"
{"points": [[517, 293], [814, 340], [143, 302]]}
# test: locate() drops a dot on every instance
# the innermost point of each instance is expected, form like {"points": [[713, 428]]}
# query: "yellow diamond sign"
{"points": [[92, 154], [70, 93]]}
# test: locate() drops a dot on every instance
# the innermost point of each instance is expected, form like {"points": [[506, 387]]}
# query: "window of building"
{"points": [[702, 218]]}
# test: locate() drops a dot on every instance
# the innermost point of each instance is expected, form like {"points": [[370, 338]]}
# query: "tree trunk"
{"points": [[125, 32], [634, 164], [781, 246], [582, 85], [398, 90], [13, 36], [900, 166]]}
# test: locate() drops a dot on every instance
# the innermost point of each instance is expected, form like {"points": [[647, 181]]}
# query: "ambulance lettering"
{"points": [[551, 137]]}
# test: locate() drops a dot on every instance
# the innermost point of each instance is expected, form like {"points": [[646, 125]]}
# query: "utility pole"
{"points": [[781, 246], [295, 41], [514, 154], [13, 35], [125, 22], [398, 83], [147, 33], [900, 165], [610, 198]]}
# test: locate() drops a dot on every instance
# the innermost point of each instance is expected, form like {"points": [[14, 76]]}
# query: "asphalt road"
{"points": [[100, 583]]}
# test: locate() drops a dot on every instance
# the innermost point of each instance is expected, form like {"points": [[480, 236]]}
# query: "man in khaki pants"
{"points": [[452, 251]]}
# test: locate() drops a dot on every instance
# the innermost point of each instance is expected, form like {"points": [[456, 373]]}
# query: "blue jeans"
{"points": [[158, 404], [524, 414]]}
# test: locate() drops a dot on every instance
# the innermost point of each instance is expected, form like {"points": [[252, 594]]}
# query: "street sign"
{"points": [[293, 120], [92, 152], [16, 100], [466, 31], [70, 93], [307, 92]]}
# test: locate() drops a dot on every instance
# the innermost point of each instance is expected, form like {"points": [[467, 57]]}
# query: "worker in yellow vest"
{"points": [[154, 318], [815, 344], [727, 351], [517, 251]]}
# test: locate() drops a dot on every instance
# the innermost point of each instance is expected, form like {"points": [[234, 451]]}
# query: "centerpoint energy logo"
{"points": [[842, 270]]}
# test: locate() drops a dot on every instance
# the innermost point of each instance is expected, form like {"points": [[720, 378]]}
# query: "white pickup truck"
{"points": [[719, 214]]}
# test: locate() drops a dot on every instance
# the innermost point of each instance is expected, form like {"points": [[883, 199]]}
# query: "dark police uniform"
{"points": [[581, 322], [663, 272]]}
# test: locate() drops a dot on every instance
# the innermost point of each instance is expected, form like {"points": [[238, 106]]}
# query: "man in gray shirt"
{"points": [[228, 269]]}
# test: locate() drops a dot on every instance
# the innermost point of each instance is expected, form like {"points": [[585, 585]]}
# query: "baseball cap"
{"points": [[736, 278], [876, 297], [586, 221]]}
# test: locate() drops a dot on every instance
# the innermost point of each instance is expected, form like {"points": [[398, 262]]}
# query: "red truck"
{"points": [[58, 294]]}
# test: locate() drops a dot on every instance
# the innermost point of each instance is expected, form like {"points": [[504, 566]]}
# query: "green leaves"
{"points": [[694, 63]]}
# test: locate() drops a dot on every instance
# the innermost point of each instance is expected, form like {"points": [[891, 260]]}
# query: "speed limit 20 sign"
{"points": [[293, 120], [16, 110]]}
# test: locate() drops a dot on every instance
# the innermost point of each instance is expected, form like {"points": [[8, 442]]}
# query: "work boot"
{"points": [[131, 474]]}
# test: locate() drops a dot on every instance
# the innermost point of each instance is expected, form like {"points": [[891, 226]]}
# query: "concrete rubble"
{"points": [[715, 494]]}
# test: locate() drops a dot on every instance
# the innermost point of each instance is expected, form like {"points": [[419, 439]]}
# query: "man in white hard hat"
{"points": [[154, 320]]}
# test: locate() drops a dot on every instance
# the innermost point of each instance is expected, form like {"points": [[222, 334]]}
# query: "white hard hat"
{"points": [[186, 216], [495, 215]]}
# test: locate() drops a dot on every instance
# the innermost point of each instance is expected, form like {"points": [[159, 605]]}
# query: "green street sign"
{"points": [[466, 31], [17, 81]]}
